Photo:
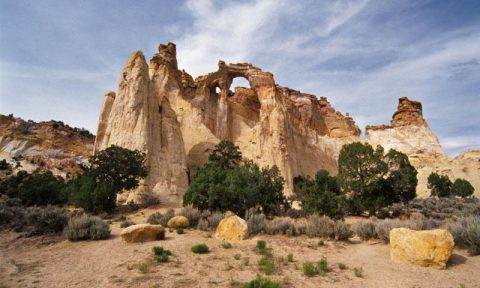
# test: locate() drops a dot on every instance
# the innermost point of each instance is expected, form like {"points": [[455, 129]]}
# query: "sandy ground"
{"points": [[50, 261]]}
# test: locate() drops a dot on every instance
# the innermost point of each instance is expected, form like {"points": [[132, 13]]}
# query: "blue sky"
{"points": [[57, 58]]}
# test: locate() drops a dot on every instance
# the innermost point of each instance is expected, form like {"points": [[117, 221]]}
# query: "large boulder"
{"points": [[430, 248], [178, 222], [143, 233], [232, 228]]}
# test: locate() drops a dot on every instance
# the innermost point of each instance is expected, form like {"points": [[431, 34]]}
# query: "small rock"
{"points": [[143, 233], [232, 228], [178, 222], [430, 248]]}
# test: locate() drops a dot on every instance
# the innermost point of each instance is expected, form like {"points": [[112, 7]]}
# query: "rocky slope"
{"points": [[177, 121], [44, 146], [410, 134]]}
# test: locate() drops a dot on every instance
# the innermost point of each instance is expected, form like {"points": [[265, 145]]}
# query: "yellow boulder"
{"points": [[232, 229], [143, 233], [429, 248], [178, 222]]}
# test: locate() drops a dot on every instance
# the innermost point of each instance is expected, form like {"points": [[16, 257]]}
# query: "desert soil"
{"points": [[51, 261]]}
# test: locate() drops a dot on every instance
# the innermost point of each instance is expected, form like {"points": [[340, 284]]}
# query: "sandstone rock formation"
{"points": [[430, 248], [143, 233], [232, 228], [271, 124], [409, 133], [140, 117], [43, 146], [177, 121]]}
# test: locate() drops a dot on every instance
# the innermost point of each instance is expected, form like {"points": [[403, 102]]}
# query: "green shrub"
{"points": [[180, 230], [440, 185], [321, 195], [266, 265], [200, 248], [462, 188], [261, 245], [322, 266], [161, 255], [466, 232], [237, 256], [309, 269], [92, 195], [158, 218], [262, 283], [342, 266], [223, 184], [86, 227], [34, 189]]}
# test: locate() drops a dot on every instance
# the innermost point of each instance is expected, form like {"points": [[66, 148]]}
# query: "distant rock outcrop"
{"points": [[43, 146], [409, 133]]}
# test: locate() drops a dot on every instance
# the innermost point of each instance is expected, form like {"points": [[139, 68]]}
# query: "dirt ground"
{"points": [[51, 261]]}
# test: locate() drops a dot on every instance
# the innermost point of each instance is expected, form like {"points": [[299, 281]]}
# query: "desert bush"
{"points": [[342, 266], [193, 215], [158, 218], [309, 269], [261, 245], [266, 265], [290, 257], [466, 232], [280, 226], [126, 224], [262, 283], [161, 254], [440, 208], [214, 220], [365, 230], [320, 226], [342, 231], [295, 213], [200, 248], [203, 225], [85, 227], [44, 220], [255, 221], [322, 266], [149, 200]]}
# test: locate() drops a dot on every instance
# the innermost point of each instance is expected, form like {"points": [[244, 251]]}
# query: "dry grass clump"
{"points": [[323, 226]]}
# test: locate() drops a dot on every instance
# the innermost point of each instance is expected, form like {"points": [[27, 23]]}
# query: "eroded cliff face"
{"points": [[409, 133], [44, 146]]}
